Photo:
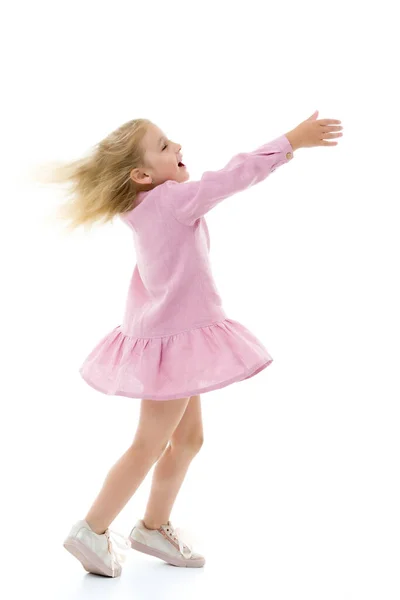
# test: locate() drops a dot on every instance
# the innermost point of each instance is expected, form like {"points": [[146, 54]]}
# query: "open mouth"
{"points": [[180, 164]]}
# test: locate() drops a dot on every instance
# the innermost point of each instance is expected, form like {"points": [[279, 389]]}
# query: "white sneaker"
{"points": [[165, 543], [97, 552]]}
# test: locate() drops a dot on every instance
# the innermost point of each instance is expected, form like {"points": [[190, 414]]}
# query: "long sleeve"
{"points": [[191, 200]]}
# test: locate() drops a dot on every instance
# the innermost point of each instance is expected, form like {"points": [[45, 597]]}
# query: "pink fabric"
{"points": [[175, 339]]}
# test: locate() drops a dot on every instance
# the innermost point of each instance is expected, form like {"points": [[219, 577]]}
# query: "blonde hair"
{"points": [[100, 183]]}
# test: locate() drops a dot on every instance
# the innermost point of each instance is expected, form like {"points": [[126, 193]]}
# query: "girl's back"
{"points": [[172, 287]]}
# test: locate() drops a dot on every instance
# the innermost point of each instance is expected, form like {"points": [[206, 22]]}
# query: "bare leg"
{"points": [[158, 420], [171, 468]]}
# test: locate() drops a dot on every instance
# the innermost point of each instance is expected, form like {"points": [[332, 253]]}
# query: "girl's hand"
{"points": [[313, 132]]}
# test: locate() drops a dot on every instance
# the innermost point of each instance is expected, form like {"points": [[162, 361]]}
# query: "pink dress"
{"points": [[175, 339]]}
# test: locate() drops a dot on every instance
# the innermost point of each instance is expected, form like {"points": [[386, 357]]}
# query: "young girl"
{"points": [[175, 341]]}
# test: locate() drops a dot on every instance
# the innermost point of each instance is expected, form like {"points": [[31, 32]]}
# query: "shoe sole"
{"points": [[90, 561], [171, 560]]}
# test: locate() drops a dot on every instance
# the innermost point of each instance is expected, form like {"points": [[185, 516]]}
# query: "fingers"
{"points": [[328, 121], [331, 135], [332, 128], [326, 130]]}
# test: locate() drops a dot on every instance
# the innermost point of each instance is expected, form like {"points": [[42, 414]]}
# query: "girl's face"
{"points": [[162, 157]]}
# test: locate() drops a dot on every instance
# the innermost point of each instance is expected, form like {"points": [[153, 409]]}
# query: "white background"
{"points": [[295, 493]]}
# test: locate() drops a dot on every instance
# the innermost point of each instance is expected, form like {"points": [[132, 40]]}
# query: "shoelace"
{"points": [[118, 546], [183, 538]]}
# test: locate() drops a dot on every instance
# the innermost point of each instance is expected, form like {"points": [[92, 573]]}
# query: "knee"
{"points": [[190, 445]]}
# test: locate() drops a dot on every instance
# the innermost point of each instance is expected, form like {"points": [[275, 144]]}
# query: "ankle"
{"points": [[99, 531], [149, 525]]}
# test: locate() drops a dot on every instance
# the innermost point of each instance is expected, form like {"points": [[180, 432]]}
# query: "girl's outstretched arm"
{"points": [[191, 200]]}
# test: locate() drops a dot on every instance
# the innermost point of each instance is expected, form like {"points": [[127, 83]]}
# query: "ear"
{"points": [[141, 177]]}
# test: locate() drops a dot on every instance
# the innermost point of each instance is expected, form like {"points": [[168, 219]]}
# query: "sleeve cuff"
{"points": [[286, 147]]}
